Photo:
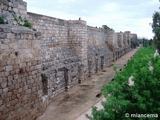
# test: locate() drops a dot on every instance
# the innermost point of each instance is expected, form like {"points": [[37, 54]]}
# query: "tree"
{"points": [[134, 43], [142, 97], [106, 27], [156, 29]]}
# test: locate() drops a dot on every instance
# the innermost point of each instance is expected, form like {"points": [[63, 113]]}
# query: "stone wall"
{"points": [[13, 11], [62, 51], [99, 55], [20, 83], [49, 57], [120, 39]]}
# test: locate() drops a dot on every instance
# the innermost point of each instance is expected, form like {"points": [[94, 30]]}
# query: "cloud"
{"points": [[120, 17], [109, 7], [30, 1], [153, 2], [66, 1]]}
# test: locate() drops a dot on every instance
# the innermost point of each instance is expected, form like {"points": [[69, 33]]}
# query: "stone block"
{"points": [[3, 35], [9, 94], [1, 29], [5, 90], [10, 78], [1, 102], [5, 7], [15, 5], [0, 91], [15, 82], [28, 91], [2, 108], [14, 102], [15, 10], [1, 79], [4, 84], [9, 68], [6, 30]]}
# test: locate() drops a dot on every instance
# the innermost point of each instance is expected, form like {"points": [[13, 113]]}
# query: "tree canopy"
{"points": [[156, 29], [106, 27]]}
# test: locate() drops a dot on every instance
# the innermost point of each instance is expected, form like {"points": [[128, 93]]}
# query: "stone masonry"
{"points": [[41, 61]]}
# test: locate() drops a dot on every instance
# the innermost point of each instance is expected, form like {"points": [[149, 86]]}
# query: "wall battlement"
{"points": [[39, 62]]}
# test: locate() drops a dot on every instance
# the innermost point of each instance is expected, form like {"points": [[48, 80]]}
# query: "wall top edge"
{"points": [[16, 29]]}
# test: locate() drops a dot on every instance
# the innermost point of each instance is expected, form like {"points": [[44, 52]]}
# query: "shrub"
{"points": [[142, 98], [27, 24], [16, 19], [2, 20]]}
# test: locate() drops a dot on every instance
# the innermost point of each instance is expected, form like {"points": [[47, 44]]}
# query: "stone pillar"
{"points": [[77, 40]]}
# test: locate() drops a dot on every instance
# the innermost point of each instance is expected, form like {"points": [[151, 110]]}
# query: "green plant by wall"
{"points": [[34, 29], [27, 24], [142, 97], [16, 19], [2, 20], [106, 27]]}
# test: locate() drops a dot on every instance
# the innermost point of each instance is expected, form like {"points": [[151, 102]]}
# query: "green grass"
{"points": [[128, 69]]}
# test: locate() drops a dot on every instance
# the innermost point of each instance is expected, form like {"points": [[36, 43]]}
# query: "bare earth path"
{"points": [[71, 104]]}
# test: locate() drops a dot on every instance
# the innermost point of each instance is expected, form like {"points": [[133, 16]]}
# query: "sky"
{"points": [[121, 15]]}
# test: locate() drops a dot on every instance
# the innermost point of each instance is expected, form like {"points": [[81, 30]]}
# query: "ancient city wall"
{"points": [[63, 50], [49, 57], [99, 54], [120, 39], [20, 82]]}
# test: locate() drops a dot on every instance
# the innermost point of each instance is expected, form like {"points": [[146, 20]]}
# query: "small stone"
{"points": [[3, 35], [15, 10], [1, 102], [15, 5], [6, 30], [10, 4], [5, 90], [10, 78], [38, 34], [5, 7], [2, 108], [4, 84], [9, 68]]}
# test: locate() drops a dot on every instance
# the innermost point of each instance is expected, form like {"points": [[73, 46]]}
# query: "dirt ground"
{"points": [[71, 104]]}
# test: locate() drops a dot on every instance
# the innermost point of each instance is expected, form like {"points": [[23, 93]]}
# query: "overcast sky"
{"points": [[121, 15]]}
